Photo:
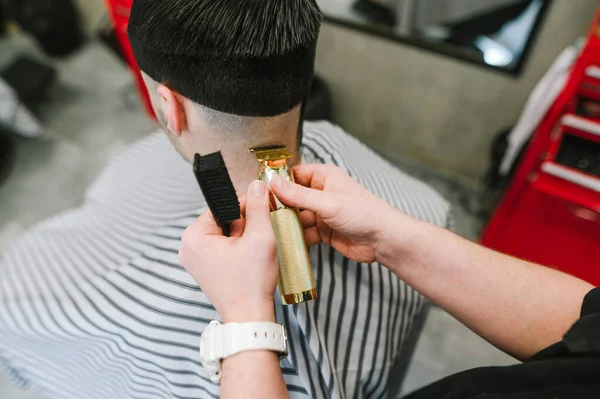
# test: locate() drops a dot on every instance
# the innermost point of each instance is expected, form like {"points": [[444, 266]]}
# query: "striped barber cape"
{"points": [[93, 302]]}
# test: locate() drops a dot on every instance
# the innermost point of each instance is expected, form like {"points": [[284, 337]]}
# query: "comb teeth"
{"points": [[216, 185]]}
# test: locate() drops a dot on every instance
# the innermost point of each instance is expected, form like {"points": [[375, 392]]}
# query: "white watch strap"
{"points": [[243, 337], [220, 341]]}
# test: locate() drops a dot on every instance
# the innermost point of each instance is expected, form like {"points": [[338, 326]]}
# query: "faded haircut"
{"points": [[241, 57], [231, 126]]}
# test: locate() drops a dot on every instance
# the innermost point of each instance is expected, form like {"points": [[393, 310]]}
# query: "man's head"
{"points": [[225, 75]]}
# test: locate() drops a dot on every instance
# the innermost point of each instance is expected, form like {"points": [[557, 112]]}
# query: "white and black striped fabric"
{"points": [[93, 303]]}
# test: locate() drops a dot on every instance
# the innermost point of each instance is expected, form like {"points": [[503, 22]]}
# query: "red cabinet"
{"points": [[551, 212], [552, 227]]}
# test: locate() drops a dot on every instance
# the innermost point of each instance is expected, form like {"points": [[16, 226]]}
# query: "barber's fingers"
{"points": [[237, 227], [258, 219], [320, 202], [205, 225], [315, 176], [203, 230], [312, 236], [308, 219], [236, 230], [328, 178], [242, 201]]}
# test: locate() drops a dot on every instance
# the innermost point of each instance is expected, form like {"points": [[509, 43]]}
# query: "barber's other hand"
{"points": [[338, 211], [238, 273]]}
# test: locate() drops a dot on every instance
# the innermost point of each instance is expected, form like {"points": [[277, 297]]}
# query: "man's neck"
{"points": [[210, 131], [244, 169]]}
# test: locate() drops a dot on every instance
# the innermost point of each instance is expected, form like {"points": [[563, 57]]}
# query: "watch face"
{"points": [[208, 358], [206, 341]]}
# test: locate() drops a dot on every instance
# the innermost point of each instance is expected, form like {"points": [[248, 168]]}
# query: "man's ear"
{"points": [[176, 118]]}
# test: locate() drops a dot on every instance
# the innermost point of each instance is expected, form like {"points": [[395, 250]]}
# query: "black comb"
{"points": [[216, 185]]}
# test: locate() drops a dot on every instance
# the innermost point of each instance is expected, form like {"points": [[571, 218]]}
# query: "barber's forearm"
{"points": [[519, 307], [252, 375]]}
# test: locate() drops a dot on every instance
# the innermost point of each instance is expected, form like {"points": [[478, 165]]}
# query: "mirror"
{"points": [[494, 33]]}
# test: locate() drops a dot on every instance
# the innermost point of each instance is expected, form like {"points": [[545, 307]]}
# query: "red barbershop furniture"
{"points": [[551, 211], [119, 11]]}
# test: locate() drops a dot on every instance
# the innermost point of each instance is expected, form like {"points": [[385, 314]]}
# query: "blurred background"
{"points": [[441, 88]]}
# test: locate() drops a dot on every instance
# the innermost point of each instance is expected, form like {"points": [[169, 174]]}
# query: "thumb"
{"points": [[258, 220], [295, 195]]}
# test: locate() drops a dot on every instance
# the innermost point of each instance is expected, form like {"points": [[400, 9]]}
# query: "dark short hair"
{"points": [[242, 57]]}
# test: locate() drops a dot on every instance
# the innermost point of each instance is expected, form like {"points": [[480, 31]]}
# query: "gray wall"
{"points": [[434, 110]]}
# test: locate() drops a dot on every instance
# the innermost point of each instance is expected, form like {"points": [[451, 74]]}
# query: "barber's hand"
{"points": [[338, 211], [238, 273]]}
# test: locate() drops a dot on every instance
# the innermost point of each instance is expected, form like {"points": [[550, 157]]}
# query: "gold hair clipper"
{"points": [[296, 281]]}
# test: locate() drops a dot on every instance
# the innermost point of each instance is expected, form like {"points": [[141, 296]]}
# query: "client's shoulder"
{"points": [[144, 188], [330, 144], [149, 165]]}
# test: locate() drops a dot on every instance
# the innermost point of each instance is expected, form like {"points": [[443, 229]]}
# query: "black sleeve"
{"points": [[581, 339], [562, 370], [591, 303]]}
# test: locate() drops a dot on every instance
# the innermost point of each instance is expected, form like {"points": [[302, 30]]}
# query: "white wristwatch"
{"points": [[220, 341]]}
